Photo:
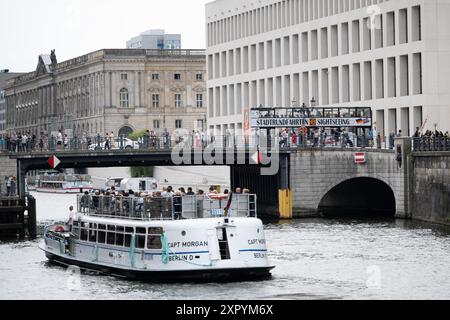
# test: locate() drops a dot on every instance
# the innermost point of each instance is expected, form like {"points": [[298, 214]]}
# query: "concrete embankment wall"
{"points": [[430, 192], [8, 168]]}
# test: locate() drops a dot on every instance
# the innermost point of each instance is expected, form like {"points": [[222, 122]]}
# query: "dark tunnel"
{"points": [[359, 198]]}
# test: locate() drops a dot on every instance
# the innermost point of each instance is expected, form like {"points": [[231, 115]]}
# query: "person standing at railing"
{"points": [[112, 140], [107, 145], [59, 140], [375, 137], [294, 139], [190, 192], [13, 142]]}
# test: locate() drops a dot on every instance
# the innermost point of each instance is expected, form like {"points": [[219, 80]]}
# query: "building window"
{"points": [[199, 77], [177, 76], [124, 98], [200, 124], [124, 76], [156, 124], [178, 102], [178, 124], [199, 100], [155, 101], [155, 76]]}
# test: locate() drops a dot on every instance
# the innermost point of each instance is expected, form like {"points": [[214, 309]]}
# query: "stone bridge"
{"points": [[323, 181], [330, 182]]}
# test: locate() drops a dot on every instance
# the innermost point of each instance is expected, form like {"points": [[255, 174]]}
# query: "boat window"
{"points": [[119, 239], [84, 235], [85, 225], [127, 240], [93, 236], [129, 229], [154, 242], [75, 223], [140, 230], [101, 237], [111, 228], [120, 229], [92, 226], [102, 227], [111, 238], [155, 231], [140, 242]]}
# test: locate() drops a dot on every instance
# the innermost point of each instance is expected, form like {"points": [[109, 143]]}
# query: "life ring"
{"points": [[60, 229]]}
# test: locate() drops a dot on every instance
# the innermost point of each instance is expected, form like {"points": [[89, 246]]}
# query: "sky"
{"points": [[73, 28]]}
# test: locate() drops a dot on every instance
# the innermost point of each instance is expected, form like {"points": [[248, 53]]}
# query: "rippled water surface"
{"points": [[315, 259]]}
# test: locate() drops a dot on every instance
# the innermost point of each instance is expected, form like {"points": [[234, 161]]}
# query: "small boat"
{"points": [[63, 183], [177, 239]]}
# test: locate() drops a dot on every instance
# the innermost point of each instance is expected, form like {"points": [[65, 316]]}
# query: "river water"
{"points": [[315, 259]]}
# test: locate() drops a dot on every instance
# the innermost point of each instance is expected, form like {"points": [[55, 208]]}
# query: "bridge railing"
{"points": [[165, 143], [424, 144]]}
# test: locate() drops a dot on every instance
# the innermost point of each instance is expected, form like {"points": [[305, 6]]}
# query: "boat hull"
{"points": [[204, 275]]}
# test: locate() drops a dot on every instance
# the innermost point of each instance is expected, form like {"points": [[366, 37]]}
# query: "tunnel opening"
{"points": [[359, 198]]}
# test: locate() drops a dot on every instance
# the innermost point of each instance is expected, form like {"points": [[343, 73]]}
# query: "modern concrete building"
{"points": [[119, 90], [155, 39], [4, 76], [391, 55]]}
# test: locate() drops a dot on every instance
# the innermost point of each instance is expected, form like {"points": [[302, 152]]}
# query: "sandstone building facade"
{"points": [[118, 90]]}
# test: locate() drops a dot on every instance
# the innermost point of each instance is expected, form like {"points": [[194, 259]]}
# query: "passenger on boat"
{"points": [[212, 191], [95, 200], [72, 217], [84, 202], [190, 192], [238, 191]]}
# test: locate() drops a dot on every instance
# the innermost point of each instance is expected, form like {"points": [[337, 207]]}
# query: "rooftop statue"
{"points": [[53, 57]]}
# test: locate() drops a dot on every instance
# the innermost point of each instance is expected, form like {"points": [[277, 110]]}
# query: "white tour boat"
{"points": [[191, 238], [63, 183]]}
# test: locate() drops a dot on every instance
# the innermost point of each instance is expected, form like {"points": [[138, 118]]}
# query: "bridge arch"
{"points": [[358, 197]]}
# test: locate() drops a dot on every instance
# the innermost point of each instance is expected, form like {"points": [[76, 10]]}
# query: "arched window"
{"points": [[124, 98], [125, 131]]}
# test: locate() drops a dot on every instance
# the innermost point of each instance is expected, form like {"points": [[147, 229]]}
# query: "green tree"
{"points": [[138, 134]]}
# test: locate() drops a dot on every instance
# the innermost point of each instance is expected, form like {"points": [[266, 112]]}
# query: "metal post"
{"points": [[32, 225]]}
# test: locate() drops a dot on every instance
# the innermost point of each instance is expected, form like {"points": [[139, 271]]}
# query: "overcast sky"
{"points": [[76, 27]]}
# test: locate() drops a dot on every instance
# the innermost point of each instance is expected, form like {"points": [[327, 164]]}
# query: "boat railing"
{"points": [[170, 208]]}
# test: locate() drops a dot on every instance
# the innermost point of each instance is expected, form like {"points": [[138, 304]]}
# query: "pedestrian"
{"points": [[112, 140], [59, 140], [294, 138], [107, 145], [8, 186]]}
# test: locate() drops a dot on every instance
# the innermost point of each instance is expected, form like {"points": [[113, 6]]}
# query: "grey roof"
{"points": [[6, 76]]}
